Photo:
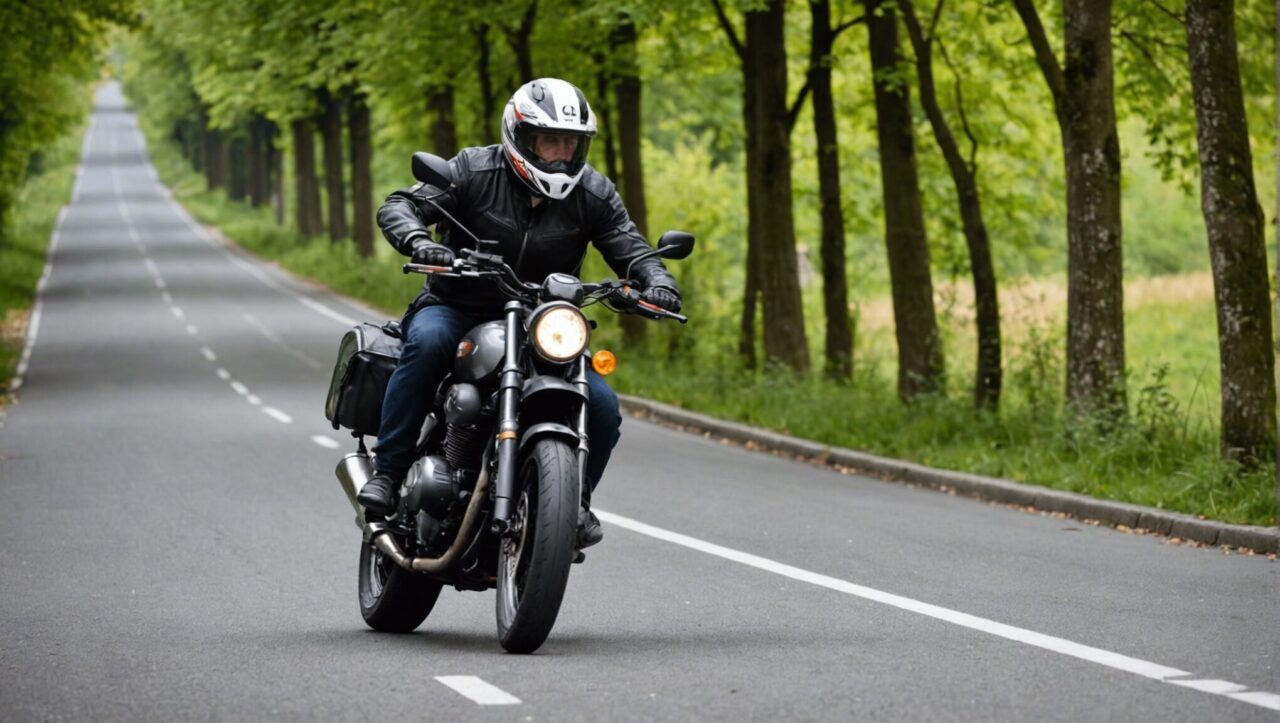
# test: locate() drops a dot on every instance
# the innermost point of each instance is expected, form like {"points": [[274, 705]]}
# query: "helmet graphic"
{"points": [[543, 114]]}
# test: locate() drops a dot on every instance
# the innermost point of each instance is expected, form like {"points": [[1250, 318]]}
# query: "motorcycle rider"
{"points": [[535, 194]]}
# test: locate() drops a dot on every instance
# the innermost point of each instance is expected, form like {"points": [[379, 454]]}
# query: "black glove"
{"points": [[663, 296], [426, 251]]}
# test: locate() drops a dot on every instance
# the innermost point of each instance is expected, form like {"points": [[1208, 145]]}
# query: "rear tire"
{"points": [[533, 565], [392, 599]]}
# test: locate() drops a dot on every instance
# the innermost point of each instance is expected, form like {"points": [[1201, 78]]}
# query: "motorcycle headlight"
{"points": [[560, 333]]}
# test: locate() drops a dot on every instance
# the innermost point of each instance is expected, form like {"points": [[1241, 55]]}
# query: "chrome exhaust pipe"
{"points": [[376, 532], [354, 472]]}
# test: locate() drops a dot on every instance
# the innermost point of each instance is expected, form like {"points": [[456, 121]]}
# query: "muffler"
{"points": [[354, 472]]}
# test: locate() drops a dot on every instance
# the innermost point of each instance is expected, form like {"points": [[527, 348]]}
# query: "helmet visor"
{"points": [[553, 151]]}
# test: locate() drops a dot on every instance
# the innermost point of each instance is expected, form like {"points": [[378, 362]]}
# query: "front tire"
{"points": [[392, 599], [534, 563]]}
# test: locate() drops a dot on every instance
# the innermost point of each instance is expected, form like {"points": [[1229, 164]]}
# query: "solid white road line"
{"points": [[1088, 653], [326, 442], [277, 415], [33, 326], [478, 690]]}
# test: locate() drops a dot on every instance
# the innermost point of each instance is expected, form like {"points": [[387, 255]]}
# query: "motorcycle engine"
{"points": [[468, 420]]}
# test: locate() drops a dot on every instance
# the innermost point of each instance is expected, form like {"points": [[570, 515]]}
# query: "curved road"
{"points": [[173, 544]]}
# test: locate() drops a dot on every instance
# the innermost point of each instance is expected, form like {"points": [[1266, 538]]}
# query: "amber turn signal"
{"points": [[604, 362]]}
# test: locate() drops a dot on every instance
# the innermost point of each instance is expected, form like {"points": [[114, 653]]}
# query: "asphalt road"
{"points": [[174, 546]]}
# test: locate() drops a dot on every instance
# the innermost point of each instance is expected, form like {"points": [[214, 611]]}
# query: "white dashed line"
{"points": [[223, 374], [192, 330], [208, 353], [478, 690], [277, 415], [326, 442], [177, 312], [1117, 661], [253, 399], [167, 297], [240, 389], [160, 284]]}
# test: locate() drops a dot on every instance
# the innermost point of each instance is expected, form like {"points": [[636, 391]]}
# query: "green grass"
{"points": [[24, 243], [1165, 455]]}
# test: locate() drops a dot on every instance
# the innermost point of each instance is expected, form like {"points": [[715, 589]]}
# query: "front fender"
{"points": [[548, 398], [549, 429]]}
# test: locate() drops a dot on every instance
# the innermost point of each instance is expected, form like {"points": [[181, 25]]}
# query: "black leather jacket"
{"points": [[535, 240]]}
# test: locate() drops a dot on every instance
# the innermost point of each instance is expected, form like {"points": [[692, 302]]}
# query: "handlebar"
{"points": [[618, 295]]}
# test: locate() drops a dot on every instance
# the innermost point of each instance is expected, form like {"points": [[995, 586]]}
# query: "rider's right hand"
{"points": [[426, 251]]}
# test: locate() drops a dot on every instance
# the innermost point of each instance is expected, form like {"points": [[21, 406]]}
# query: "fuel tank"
{"points": [[479, 355]]}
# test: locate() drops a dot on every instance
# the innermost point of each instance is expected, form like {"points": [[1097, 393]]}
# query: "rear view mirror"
{"points": [[675, 244], [432, 170]]}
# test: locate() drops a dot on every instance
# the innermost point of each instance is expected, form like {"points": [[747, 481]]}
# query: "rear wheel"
{"points": [[533, 563], [392, 599]]}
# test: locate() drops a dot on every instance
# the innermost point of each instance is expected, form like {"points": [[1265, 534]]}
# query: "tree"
{"points": [[1236, 229], [835, 295], [1084, 104], [920, 357], [964, 172], [330, 119], [628, 89], [771, 256]]}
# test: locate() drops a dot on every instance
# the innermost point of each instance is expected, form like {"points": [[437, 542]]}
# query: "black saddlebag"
{"points": [[366, 358]]}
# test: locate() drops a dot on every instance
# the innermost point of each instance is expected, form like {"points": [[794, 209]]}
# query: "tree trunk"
{"points": [[335, 186], [361, 173], [488, 115], [215, 157], [604, 134], [751, 286], [1237, 235], [444, 129], [276, 164], [920, 358], [770, 190], [518, 39], [259, 161], [835, 295], [307, 190], [1084, 102], [629, 125], [237, 169], [987, 382]]}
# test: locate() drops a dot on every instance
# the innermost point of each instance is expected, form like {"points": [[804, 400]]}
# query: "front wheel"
{"points": [[534, 562], [392, 599]]}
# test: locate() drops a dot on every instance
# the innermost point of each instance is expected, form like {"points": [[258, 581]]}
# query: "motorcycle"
{"points": [[492, 499]]}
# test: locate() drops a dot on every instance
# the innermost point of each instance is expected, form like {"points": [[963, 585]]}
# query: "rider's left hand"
{"points": [[662, 296]]}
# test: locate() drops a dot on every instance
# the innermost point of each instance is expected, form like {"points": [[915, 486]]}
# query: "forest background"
{"points": [[285, 123]]}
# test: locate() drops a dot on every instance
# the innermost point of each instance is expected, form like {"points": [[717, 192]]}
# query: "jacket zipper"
{"points": [[520, 257]]}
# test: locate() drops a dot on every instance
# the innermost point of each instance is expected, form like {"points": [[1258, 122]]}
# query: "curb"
{"points": [[1117, 514]]}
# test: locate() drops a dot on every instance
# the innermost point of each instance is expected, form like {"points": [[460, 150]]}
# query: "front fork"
{"points": [[512, 382]]}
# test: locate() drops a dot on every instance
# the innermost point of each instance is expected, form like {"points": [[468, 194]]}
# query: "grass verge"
{"points": [[1164, 455], [24, 243]]}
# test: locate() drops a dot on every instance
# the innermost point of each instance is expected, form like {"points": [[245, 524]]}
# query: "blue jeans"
{"points": [[430, 341]]}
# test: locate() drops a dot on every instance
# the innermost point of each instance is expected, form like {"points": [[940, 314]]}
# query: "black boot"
{"points": [[589, 530], [378, 495]]}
